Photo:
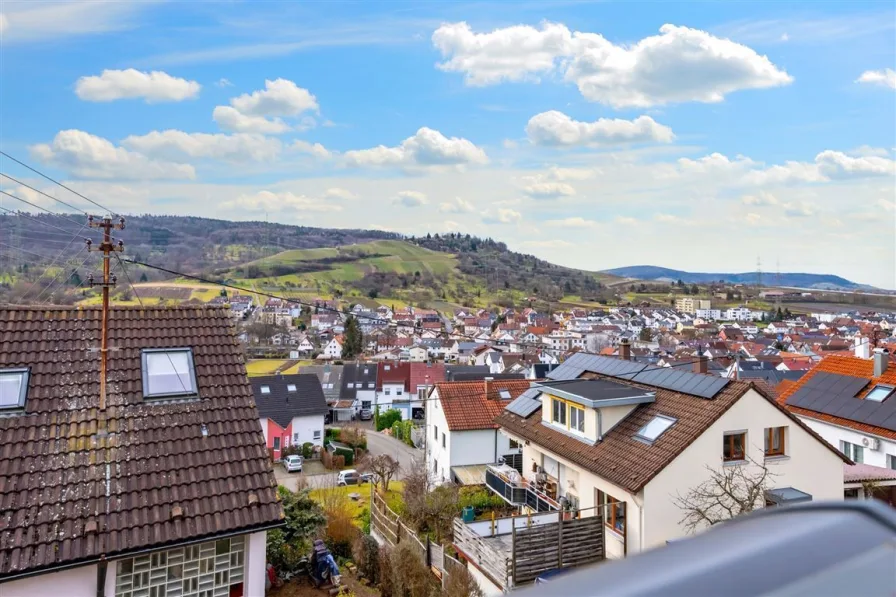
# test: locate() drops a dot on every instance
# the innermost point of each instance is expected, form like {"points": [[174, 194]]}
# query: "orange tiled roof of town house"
{"points": [[842, 365]]}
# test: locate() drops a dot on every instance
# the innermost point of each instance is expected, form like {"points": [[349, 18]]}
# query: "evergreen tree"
{"points": [[143, 277], [354, 341], [75, 279]]}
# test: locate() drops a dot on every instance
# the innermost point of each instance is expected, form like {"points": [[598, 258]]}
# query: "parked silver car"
{"points": [[293, 463]]}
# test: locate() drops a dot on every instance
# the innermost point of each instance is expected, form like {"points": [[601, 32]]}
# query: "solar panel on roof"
{"points": [[523, 406]]}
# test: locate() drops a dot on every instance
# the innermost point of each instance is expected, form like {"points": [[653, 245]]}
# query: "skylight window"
{"points": [[291, 387], [504, 394], [655, 428], [265, 389], [168, 372], [13, 388], [879, 393]]}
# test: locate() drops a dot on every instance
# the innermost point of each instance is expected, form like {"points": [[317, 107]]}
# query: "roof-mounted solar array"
{"points": [[526, 403], [835, 395], [669, 378]]}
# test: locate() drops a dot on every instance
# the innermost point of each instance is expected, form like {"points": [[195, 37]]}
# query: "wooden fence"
{"points": [[514, 558], [558, 545], [385, 523]]}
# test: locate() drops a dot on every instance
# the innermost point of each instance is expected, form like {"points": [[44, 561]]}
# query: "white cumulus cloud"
{"points": [[885, 77], [549, 190], [265, 201], [410, 199], [502, 215], [261, 111], [4, 22], [557, 129], [155, 86], [231, 119], [427, 147], [172, 143], [280, 97], [458, 205], [680, 64], [89, 156], [315, 149], [835, 164], [573, 222], [760, 198], [222, 82]]}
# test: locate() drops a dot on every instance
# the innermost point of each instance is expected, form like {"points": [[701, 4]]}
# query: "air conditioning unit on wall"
{"points": [[872, 443]]}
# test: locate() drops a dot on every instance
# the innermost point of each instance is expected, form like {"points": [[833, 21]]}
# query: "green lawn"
{"points": [[393, 497]]}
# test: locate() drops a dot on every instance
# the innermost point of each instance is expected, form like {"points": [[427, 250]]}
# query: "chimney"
{"points": [[701, 365], [881, 360], [863, 347], [485, 381], [625, 349]]}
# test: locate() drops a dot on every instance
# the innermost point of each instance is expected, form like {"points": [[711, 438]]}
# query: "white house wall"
{"points": [[585, 483], [833, 434], [475, 447], [808, 466], [435, 453], [74, 582], [303, 429], [264, 428]]}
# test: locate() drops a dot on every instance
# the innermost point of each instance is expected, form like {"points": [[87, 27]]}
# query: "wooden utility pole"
{"points": [[106, 247]]}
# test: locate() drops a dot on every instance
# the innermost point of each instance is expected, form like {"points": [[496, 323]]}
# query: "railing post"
{"points": [[512, 553], [560, 542], [428, 553]]}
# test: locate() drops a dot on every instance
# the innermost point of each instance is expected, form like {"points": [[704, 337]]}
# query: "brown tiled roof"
{"points": [[468, 406], [842, 365], [52, 472], [627, 462]]}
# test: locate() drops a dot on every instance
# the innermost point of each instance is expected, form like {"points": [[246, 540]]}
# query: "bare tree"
{"points": [[728, 493], [383, 467]]}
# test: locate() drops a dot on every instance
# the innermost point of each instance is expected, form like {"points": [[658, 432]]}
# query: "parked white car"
{"points": [[293, 463]]}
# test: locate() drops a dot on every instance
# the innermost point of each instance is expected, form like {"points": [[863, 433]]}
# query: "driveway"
{"points": [[378, 443]]}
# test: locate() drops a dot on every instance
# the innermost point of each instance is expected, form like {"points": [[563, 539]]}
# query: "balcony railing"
{"points": [[517, 491]]}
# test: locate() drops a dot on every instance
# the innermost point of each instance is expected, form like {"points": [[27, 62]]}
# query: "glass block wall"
{"points": [[203, 570]]}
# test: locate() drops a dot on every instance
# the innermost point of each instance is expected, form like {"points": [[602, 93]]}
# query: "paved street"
{"points": [[377, 443]]}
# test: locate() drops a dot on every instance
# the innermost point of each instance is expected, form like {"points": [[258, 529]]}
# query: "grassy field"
{"points": [[393, 497], [270, 366]]}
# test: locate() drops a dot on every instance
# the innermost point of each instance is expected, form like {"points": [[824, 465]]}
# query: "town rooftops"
{"points": [[282, 397], [845, 380], [180, 468], [620, 457], [472, 405]]}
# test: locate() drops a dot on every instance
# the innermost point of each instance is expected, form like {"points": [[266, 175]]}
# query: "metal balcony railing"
{"points": [[518, 492]]}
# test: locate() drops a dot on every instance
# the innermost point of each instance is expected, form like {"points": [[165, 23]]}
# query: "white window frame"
{"points": [[264, 389], [191, 363], [316, 434], [291, 388], [854, 452], [24, 374], [659, 420]]}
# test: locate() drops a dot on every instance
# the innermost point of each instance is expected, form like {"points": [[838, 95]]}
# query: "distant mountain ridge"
{"points": [[798, 280]]}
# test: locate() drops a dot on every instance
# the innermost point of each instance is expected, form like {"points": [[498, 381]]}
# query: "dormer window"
{"points": [[265, 389], [168, 373], [654, 428], [13, 388], [291, 387], [879, 393]]}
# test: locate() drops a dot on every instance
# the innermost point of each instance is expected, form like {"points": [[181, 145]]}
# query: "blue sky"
{"points": [[691, 135]]}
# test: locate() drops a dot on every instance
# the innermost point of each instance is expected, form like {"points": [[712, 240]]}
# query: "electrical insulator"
{"points": [[121, 223], [89, 220], [90, 279], [121, 245], [114, 279], [89, 243]]}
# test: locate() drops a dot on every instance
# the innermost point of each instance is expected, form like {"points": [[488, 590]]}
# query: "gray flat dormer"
{"points": [[597, 393]]}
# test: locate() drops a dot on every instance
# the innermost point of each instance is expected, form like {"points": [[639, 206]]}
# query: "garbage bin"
{"points": [[468, 514]]}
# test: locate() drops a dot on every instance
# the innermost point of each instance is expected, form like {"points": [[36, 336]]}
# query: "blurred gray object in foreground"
{"points": [[813, 549]]}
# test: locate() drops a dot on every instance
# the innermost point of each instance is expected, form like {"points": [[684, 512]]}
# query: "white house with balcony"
{"points": [[596, 441]]}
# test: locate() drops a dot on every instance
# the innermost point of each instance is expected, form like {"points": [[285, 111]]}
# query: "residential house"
{"points": [[461, 435], [741, 314], [333, 349], [710, 314], [330, 378], [393, 382], [423, 377], [418, 353], [359, 385], [613, 435], [687, 304], [851, 402], [292, 409], [161, 486]]}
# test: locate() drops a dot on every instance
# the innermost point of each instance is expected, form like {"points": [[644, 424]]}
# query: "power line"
{"points": [[49, 211], [19, 182], [62, 270], [39, 173], [37, 219], [52, 263]]}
